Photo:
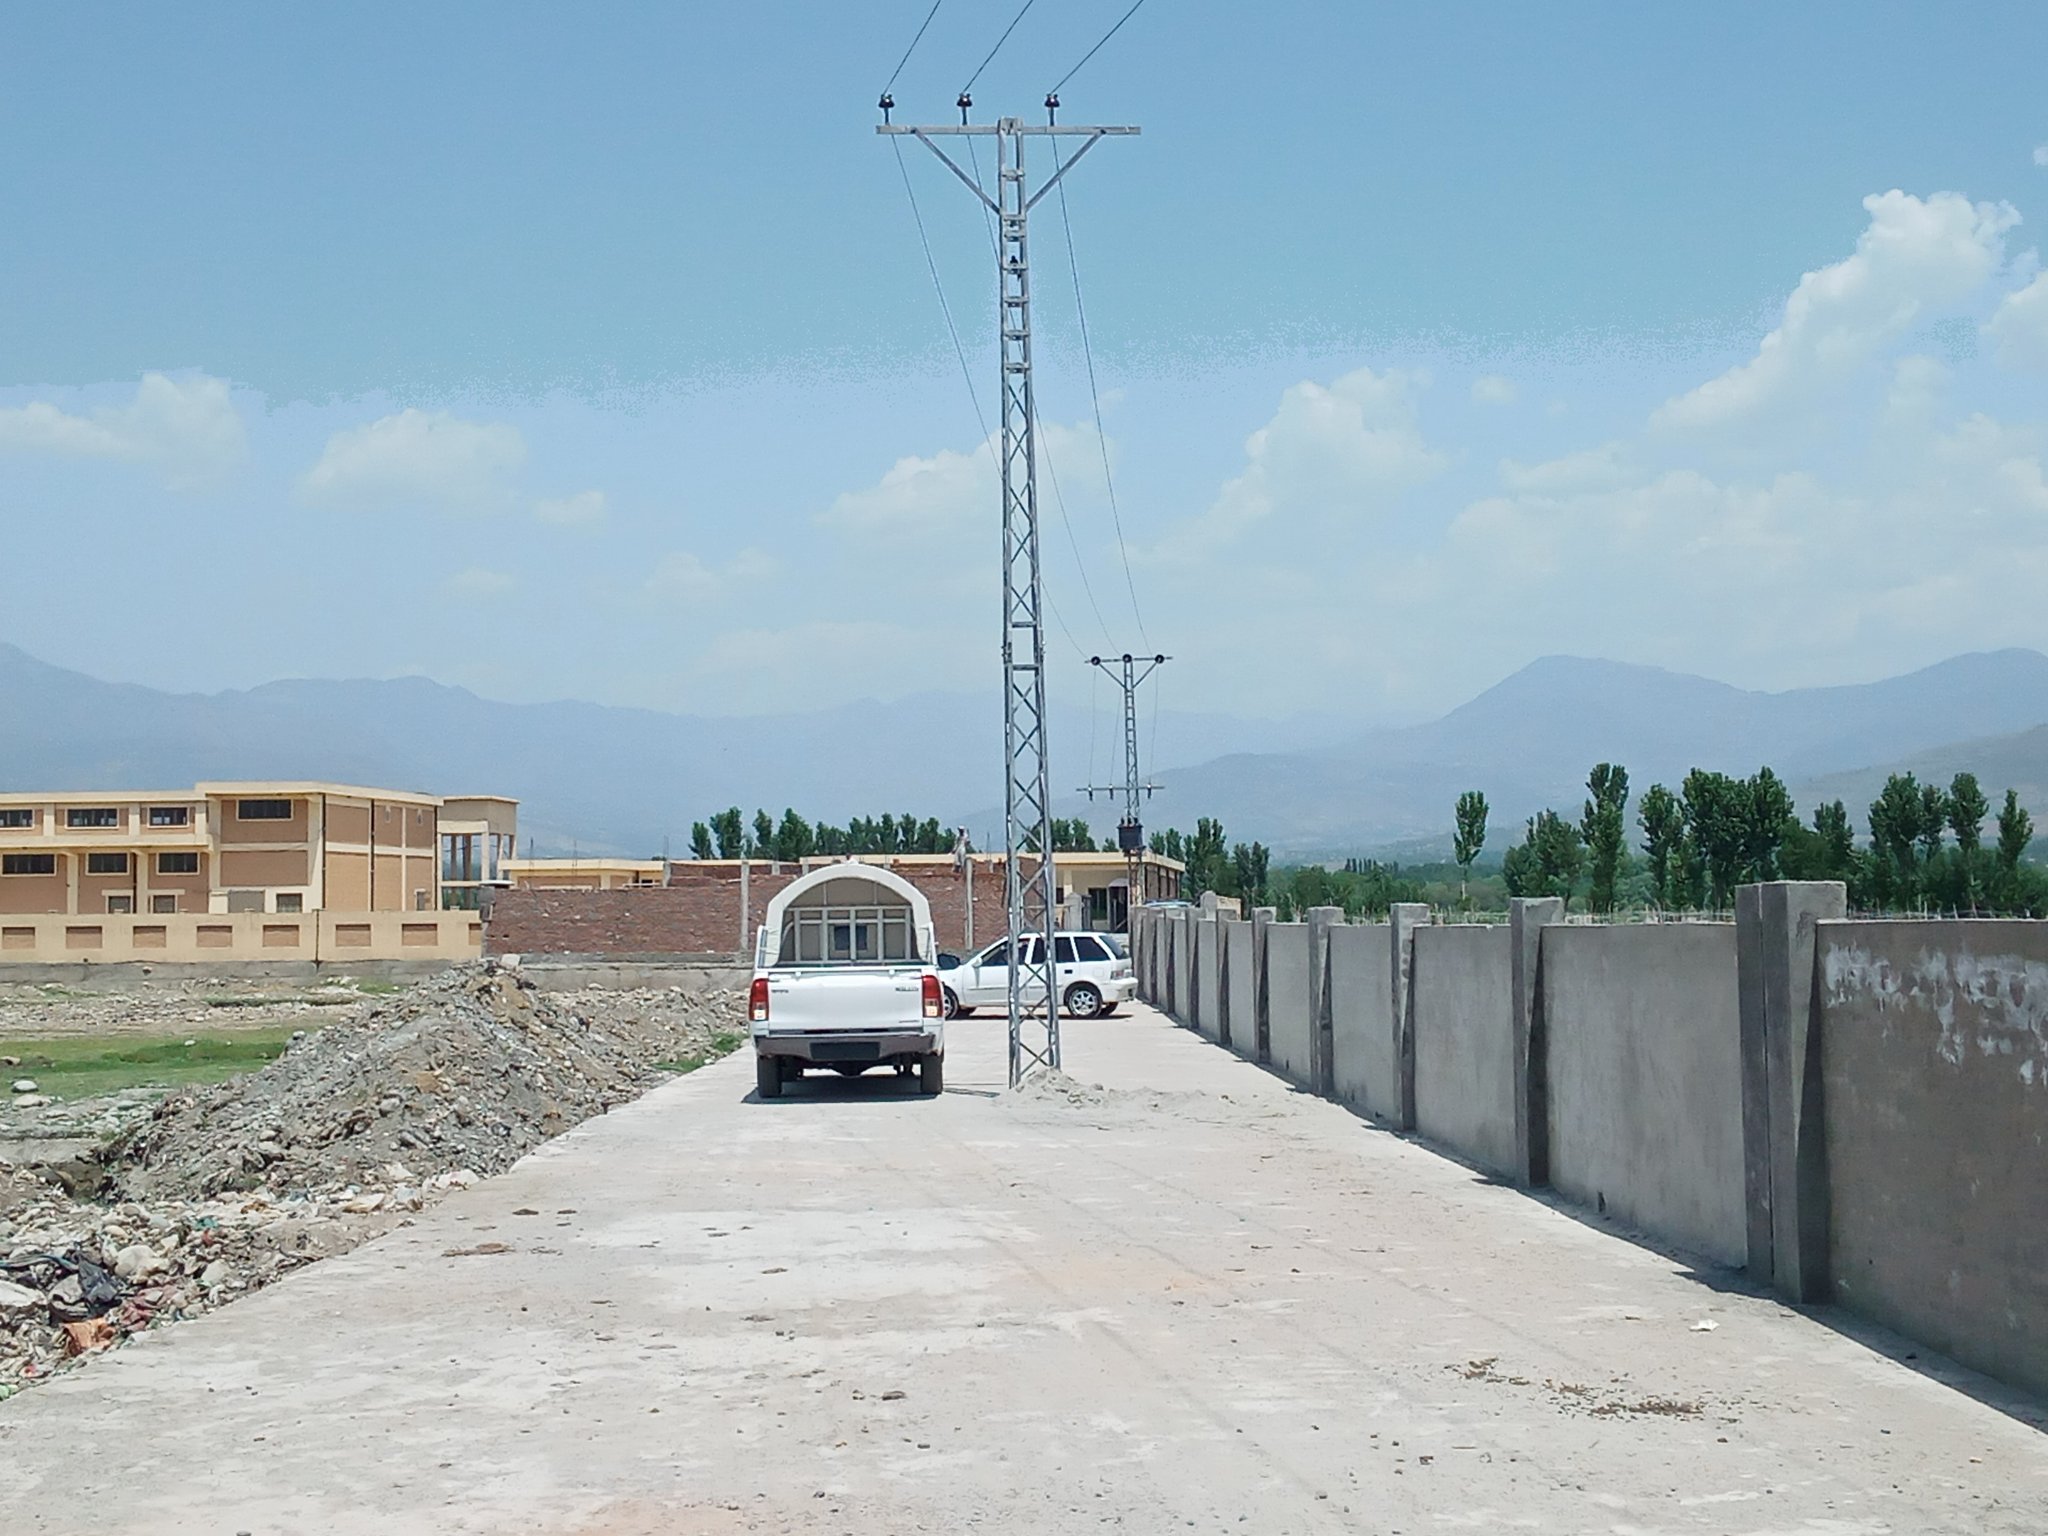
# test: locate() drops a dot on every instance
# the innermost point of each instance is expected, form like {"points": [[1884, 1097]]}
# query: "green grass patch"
{"points": [[77, 1067], [722, 1044]]}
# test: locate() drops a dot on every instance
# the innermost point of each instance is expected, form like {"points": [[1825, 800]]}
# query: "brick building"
{"points": [[714, 906]]}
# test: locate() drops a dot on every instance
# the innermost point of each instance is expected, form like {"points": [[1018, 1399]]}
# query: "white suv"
{"points": [[1094, 975]]}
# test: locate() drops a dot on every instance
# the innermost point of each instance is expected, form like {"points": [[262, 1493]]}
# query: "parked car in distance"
{"points": [[1094, 977]]}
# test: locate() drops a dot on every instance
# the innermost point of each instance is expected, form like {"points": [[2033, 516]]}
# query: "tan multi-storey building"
{"points": [[273, 847]]}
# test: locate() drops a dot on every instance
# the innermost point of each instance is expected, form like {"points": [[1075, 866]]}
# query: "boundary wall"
{"points": [[1856, 1112], [1465, 1057], [221, 938]]}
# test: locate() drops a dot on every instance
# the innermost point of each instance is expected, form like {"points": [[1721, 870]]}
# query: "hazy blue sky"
{"points": [[590, 351]]}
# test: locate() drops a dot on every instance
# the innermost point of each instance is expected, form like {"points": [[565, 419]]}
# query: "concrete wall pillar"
{"points": [[1223, 928], [1783, 1153], [1527, 918], [1261, 1038], [1403, 918], [1322, 1071]]}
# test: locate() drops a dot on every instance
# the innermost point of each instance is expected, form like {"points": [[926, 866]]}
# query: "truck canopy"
{"points": [[847, 914]]}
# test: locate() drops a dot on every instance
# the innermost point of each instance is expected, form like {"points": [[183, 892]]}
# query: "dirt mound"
{"points": [[471, 1071], [223, 1189]]}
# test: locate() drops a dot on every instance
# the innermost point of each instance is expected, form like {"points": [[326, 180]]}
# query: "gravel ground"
{"points": [[144, 1208]]}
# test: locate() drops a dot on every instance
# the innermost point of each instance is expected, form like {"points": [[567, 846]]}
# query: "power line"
{"points": [[1052, 473], [967, 377], [966, 373], [928, 15], [1112, 32], [999, 47], [1095, 398]]}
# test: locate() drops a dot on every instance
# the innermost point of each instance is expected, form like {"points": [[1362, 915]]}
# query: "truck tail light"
{"points": [[934, 1005], [757, 1001]]}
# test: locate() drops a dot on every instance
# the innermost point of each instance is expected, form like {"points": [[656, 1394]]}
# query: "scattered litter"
{"points": [[1705, 1325]]}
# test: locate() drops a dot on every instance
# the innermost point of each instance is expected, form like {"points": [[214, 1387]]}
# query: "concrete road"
{"points": [[1191, 1300]]}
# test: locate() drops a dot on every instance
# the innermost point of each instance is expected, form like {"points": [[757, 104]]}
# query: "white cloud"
{"points": [[579, 511], [1590, 469], [919, 495], [1900, 532], [1494, 389], [1915, 256], [958, 491], [188, 428], [682, 577], [1332, 454], [2019, 326], [477, 584], [2041, 154], [417, 456]]}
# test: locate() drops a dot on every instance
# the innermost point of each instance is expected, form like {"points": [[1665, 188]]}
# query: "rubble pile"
{"points": [[471, 1071], [222, 1189]]}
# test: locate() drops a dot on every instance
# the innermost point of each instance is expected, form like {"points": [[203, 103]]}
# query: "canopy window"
{"points": [[848, 921]]}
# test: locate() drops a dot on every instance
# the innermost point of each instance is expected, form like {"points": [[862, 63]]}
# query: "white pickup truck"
{"points": [[844, 978]]}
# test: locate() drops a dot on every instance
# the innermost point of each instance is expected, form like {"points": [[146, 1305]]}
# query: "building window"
{"points": [[163, 902], [92, 816], [120, 904], [290, 901], [263, 810], [28, 863], [458, 856], [170, 816], [106, 863], [177, 863], [245, 901], [17, 816]]}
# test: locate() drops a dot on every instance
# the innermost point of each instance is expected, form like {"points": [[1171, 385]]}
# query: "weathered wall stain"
{"points": [[1996, 1004]]}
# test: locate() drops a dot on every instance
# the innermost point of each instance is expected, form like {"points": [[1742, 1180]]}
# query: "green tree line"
{"points": [[728, 835], [1926, 849]]}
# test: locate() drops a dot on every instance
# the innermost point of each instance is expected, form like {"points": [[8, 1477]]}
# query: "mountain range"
{"points": [[603, 779]]}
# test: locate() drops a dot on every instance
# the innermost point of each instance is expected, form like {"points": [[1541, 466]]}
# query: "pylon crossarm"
{"points": [[1094, 138], [951, 165]]}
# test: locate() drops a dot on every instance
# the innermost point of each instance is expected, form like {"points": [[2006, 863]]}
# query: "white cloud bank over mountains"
{"points": [[1860, 492], [417, 457], [186, 428], [1828, 508]]}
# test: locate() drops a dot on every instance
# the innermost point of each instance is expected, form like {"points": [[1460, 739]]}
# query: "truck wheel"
{"points": [[931, 1076], [1083, 1000], [768, 1077]]}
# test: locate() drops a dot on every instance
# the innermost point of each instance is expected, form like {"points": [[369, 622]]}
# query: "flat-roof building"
{"points": [[276, 846]]}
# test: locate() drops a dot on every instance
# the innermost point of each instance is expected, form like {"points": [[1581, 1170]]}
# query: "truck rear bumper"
{"points": [[835, 1046]]}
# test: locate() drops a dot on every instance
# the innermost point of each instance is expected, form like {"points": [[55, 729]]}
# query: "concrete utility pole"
{"points": [[1027, 798], [1130, 832]]}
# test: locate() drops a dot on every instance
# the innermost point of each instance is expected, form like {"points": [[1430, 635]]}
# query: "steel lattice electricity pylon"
{"points": [[1027, 797], [1130, 832]]}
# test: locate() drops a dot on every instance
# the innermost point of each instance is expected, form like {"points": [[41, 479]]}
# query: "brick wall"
{"points": [[698, 912]]}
